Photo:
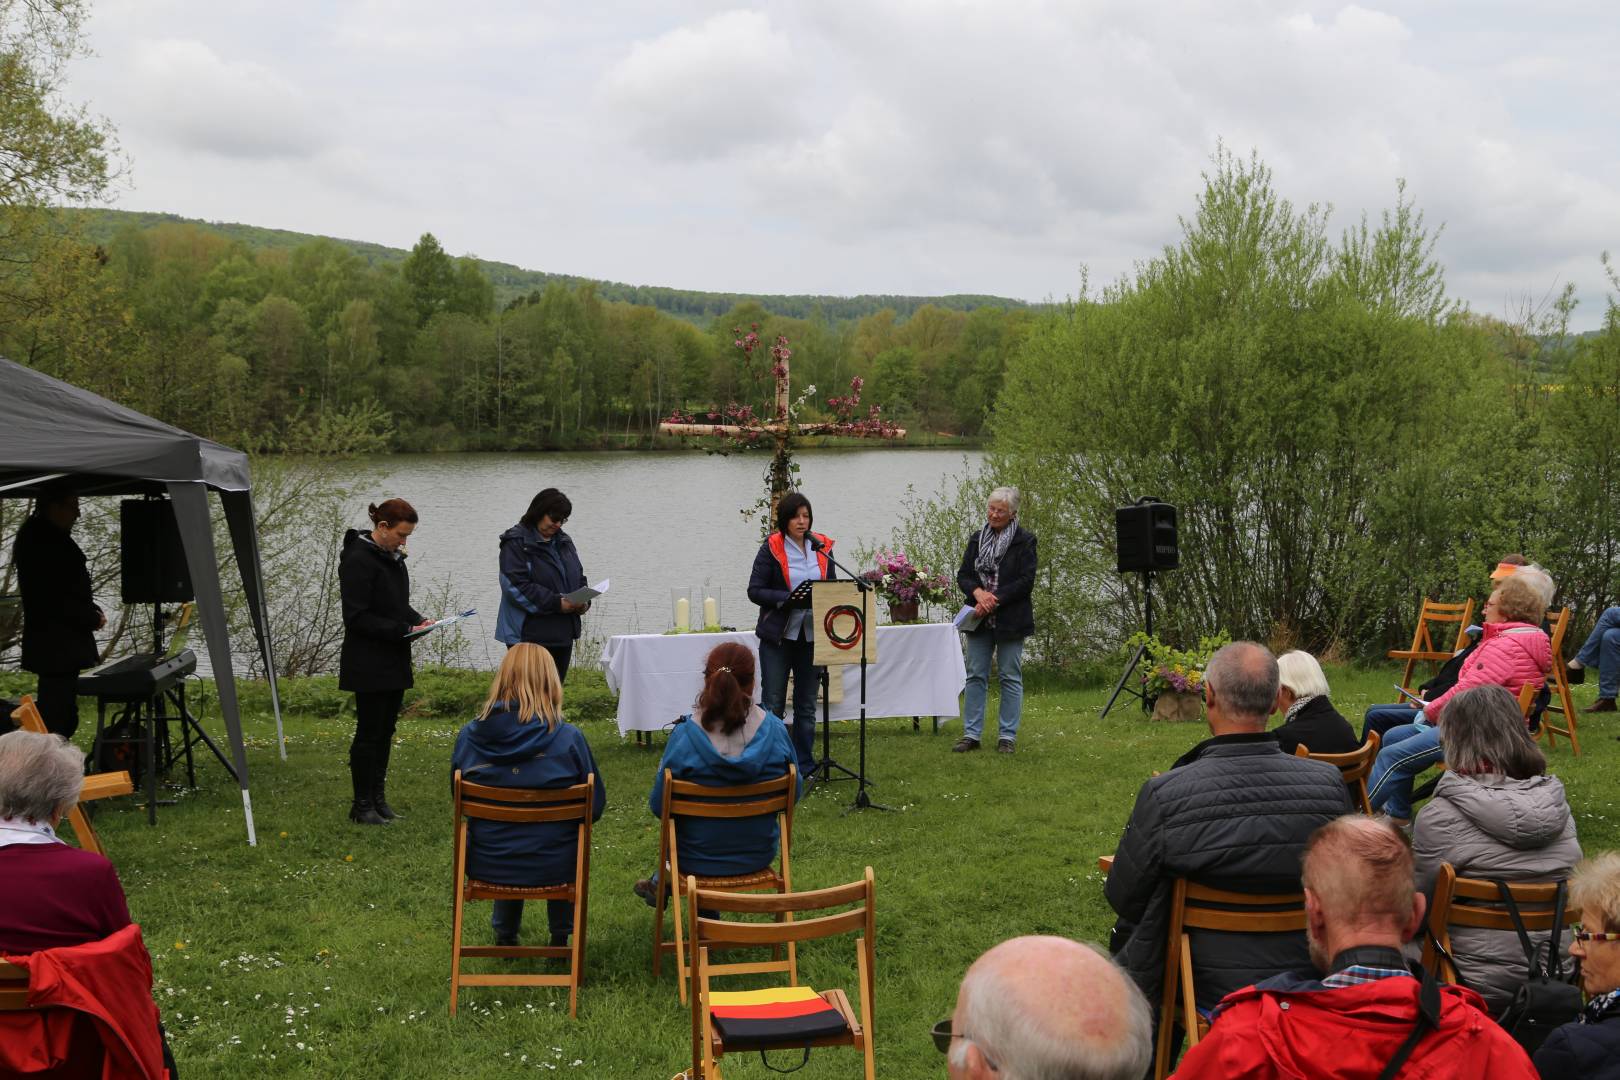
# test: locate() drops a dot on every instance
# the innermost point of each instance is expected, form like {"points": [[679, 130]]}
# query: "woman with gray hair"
{"points": [[1495, 814], [997, 577], [1309, 718], [51, 895]]}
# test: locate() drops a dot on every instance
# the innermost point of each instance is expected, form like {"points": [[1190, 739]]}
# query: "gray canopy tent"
{"points": [[53, 431]]}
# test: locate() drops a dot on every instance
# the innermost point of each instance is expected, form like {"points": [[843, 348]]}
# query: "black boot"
{"points": [[379, 782], [362, 812]]}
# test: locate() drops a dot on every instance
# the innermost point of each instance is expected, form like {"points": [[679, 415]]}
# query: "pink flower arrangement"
{"points": [[897, 579]]}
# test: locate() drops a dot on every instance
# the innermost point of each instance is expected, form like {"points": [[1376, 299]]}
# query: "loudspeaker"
{"points": [[151, 555], [1146, 537]]}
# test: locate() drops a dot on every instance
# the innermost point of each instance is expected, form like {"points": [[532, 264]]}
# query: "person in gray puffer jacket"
{"points": [[1235, 818], [1495, 814]]}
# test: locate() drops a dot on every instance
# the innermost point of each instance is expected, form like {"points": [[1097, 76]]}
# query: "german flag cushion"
{"points": [[749, 1019]]}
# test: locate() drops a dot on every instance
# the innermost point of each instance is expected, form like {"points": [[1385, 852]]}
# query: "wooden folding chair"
{"points": [[96, 785], [684, 799], [1460, 901], [707, 1045], [531, 805], [1198, 907], [1423, 645], [13, 988], [1558, 619], [1355, 766]]}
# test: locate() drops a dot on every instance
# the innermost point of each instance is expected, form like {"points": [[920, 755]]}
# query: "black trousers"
{"points": [[59, 703], [376, 716], [560, 655]]}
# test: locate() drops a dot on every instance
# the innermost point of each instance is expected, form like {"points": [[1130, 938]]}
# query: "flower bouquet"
{"points": [[1175, 676], [905, 585]]}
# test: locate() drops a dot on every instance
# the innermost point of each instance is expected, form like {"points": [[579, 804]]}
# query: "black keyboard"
{"points": [[137, 677]]}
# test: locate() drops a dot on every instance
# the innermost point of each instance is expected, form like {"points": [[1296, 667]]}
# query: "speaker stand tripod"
{"points": [[1136, 656]]}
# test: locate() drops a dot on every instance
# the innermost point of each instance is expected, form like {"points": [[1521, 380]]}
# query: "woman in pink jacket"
{"points": [[1513, 651]]}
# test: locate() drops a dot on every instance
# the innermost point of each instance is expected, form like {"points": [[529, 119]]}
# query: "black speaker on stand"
{"points": [[1146, 542]]}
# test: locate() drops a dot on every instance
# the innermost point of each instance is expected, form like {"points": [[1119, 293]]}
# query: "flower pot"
{"points": [[902, 611], [1178, 707]]}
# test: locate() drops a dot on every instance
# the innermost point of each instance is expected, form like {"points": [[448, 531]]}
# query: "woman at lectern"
{"points": [[376, 661], [789, 557]]}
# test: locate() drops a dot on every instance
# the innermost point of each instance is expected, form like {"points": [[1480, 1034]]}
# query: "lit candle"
{"points": [[711, 613], [683, 613]]}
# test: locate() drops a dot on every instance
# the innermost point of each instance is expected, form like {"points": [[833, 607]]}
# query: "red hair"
{"points": [[728, 688]]}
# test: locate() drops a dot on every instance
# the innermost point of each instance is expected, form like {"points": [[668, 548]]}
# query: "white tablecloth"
{"points": [[658, 676]]}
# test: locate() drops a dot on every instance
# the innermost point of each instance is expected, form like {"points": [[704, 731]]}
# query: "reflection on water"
{"points": [[650, 522]]}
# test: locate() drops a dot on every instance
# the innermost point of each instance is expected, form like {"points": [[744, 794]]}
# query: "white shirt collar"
{"points": [[18, 831]]}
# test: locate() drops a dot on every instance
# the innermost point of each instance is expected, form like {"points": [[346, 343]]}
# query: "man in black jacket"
{"points": [[1237, 818], [60, 616]]}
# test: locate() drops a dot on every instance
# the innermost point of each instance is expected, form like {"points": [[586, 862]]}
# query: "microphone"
{"points": [[815, 542]]}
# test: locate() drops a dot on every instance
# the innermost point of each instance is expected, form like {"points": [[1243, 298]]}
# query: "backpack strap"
{"points": [[1427, 1020], [1554, 966]]}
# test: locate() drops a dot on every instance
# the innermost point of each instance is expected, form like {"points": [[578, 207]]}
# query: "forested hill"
{"points": [[514, 283]]}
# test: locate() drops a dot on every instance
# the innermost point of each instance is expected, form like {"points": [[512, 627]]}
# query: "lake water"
{"points": [[649, 522]]}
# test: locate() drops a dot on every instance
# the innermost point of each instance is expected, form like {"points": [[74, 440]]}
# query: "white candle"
{"points": [[683, 613], [711, 613]]}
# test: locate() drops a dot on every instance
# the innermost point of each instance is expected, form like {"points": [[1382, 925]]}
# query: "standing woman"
{"points": [[376, 659], [788, 558], [539, 567], [997, 576]]}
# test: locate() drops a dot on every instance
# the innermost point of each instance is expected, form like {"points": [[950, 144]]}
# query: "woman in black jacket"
{"points": [[376, 660], [790, 556], [997, 576], [539, 567], [1589, 1048], [60, 616]]}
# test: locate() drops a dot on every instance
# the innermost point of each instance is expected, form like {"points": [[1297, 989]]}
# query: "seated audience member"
{"points": [[1381, 718], [55, 897], [1589, 1048], [520, 740], [1309, 718], [1602, 647], [731, 742], [1513, 650], [1353, 1021], [1236, 818], [1047, 1007], [1495, 814]]}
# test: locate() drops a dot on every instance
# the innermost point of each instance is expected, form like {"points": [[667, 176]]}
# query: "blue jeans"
{"points": [[1602, 650], [508, 917], [776, 659], [1009, 657], [1381, 718], [1407, 751]]}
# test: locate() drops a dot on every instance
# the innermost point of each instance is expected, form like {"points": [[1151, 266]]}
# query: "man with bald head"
{"points": [[1236, 818], [1047, 1008], [1367, 1008]]}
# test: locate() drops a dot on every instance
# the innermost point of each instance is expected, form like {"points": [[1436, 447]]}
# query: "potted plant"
{"points": [[1173, 679], [905, 585]]}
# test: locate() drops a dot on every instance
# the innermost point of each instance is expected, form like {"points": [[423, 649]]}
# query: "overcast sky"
{"points": [[869, 146]]}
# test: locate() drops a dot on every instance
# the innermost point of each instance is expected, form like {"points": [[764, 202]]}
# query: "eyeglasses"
{"points": [[559, 522], [943, 1035], [1576, 933]]}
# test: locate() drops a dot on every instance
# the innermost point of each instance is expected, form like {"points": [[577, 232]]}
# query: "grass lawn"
{"points": [[324, 951]]}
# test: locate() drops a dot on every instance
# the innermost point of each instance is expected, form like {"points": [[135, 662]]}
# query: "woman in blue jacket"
{"points": [[539, 566], [733, 742], [521, 741]]}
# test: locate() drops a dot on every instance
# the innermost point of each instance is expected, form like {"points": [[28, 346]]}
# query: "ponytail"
{"points": [[728, 688]]}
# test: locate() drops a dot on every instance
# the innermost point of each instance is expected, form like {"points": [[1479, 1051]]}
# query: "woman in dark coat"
{"points": [[1589, 1048], [1309, 718], [539, 566], [997, 577], [376, 659], [60, 616], [790, 556]]}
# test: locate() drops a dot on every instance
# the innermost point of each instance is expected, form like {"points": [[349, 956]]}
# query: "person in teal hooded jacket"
{"points": [[521, 741], [735, 742]]}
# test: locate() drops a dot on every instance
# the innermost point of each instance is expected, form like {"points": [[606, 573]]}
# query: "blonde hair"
{"points": [[527, 683]]}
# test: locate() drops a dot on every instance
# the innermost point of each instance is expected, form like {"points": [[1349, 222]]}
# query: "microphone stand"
{"points": [[863, 801]]}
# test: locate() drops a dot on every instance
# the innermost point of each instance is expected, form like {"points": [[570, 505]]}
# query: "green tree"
{"points": [[431, 277]]}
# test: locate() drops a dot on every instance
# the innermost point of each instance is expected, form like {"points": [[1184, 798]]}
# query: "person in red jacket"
{"points": [[1368, 1008]]}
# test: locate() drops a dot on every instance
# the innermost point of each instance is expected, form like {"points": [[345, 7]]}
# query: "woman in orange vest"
{"points": [[789, 557]]}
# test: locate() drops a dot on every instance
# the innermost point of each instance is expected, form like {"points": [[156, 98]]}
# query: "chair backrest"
{"points": [[1527, 699], [13, 987], [1433, 611], [1204, 908], [523, 804], [1558, 620], [1472, 902], [683, 798], [1354, 766], [706, 931]]}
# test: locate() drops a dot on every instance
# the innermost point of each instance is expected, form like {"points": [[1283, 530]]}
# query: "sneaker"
{"points": [[1573, 675], [1005, 746], [647, 891], [964, 744]]}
